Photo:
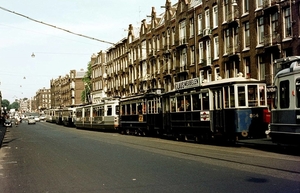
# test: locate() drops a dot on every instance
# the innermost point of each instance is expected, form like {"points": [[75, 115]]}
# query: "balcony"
{"points": [[269, 3], [232, 50], [233, 16], [272, 40], [206, 62], [183, 41], [152, 53], [270, 6]]}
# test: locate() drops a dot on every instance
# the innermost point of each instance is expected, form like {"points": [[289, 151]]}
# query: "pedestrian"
{"points": [[17, 121]]}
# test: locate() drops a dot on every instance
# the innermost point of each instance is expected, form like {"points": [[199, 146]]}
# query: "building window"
{"points": [[274, 25], [209, 75], [201, 76], [226, 41], [225, 10], [287, 23], [217, 73], [259, 4], [207, 19], [173, 36], [245, 6], [208, 52], [192, 55], [227, 70], [246, 35], [215, 16], [191, 27], [236, 39], [261, 68], [216, 47], [182, 32], [183, 58], [200, 28], [201, 52], [260, 30], [247, 67]]}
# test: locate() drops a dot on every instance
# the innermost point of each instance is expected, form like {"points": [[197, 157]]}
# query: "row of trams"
{"points": [[227, 109]]}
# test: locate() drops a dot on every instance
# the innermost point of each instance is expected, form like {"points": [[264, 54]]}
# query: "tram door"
{"points": [[218, 112]]}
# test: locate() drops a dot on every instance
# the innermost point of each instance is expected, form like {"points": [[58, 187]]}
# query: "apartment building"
{"points": [[211, 39], [43, 99], [66, 90]]}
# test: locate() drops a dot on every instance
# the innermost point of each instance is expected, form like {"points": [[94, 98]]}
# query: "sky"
{"points": [[56, 51]]}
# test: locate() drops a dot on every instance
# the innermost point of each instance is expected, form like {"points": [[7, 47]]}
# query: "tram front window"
{"points": [[298, 93], [252, 95], [262, 95], [205, 101], [109, 110], [196, 102], [241, 95]]}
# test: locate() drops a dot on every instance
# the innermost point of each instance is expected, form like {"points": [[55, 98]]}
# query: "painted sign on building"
{"points": [[187, 84]]}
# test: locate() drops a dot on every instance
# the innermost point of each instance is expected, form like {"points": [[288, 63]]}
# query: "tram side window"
{"points": [[205, 101], [226, 97], [122, 112], [298, 93], [117, 108], [173, 104], [241, 95], [87, 113], [252, 95], [101, 111], [140, 108], [232, 98], [133, 106], [180, 103], [78, 113], [262, 95], [150, 106], [128, 109], [109, 110], [196, 102], [95, 112], [188, 103], [284, 94]]}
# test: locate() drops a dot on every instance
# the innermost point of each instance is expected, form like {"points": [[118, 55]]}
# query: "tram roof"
{"points": [[239, 79]]}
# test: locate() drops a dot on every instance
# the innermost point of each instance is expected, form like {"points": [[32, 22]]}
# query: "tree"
{"points": [[5, 103], [87, 84], [14, 105]]}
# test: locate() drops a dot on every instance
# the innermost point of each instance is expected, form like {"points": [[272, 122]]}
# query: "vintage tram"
{"points": [[230, 109], [68, 116], [100, 116], [285, 124], [141, 114]]}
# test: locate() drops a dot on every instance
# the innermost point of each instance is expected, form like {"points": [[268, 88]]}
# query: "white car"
{"points": [[36, 118], [31, 120]]}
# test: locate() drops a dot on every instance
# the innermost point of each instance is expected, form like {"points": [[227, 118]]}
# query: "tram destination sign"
{"points": [[187, 84]]}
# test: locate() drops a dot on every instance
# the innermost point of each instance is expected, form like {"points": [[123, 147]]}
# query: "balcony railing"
{"points": [[271, 39]]}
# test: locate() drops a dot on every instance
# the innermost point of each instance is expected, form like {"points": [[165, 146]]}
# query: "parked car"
{"points": [[7, 123], [31, 120], [42, 118], [36, 118]]}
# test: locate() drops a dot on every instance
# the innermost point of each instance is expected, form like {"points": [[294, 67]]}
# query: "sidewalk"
{"points": [[2, 134]]}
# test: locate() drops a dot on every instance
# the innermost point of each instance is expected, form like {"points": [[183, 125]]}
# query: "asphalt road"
{"points": [[47, 158]]}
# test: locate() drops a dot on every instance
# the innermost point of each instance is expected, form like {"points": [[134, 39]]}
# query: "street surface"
{"points": [[47, 158]]}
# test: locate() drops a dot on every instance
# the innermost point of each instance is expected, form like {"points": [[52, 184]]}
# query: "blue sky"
{"points": [[57, 52]]}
